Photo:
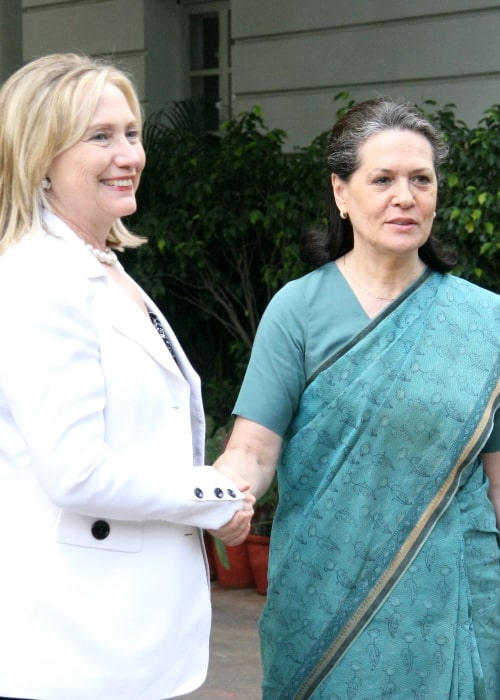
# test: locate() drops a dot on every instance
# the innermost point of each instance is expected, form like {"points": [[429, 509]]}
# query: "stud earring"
{"points": [[46, 184], [343, 215]]}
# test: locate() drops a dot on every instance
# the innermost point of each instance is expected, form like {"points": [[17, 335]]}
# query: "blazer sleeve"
{"points": [[52, 402]]}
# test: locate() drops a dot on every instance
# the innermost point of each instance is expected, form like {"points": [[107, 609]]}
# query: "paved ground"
{"points": [[234, 672]]}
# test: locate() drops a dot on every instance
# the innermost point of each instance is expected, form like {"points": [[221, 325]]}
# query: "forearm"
{"points": [[252, 453], [236, 461]]}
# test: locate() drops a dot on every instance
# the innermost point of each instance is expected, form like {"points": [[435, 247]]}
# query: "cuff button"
{"points": [[198, 493], [219, 493], [231, 493]]}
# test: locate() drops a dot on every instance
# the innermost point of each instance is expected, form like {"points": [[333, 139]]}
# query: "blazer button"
{"points": [[219, 493], [100, 529]]}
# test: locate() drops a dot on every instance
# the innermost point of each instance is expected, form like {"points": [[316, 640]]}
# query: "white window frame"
{"points": [[223, 9]]}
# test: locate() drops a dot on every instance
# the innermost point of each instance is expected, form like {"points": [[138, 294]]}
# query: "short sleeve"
{"points": [[275, 377], [305, 323]]}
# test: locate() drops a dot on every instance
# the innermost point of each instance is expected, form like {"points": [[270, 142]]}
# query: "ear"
{"points": [[338, 187]]}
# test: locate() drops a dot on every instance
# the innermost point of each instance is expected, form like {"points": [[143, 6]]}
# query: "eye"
{"points": [[382, 180], [133, 134], [100, 137], [422, 179]]}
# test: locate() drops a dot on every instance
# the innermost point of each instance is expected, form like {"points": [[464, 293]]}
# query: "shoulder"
{"points": [[46, 255], [302, 291], [43, 273]]}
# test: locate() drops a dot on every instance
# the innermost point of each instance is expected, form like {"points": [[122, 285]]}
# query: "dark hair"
{"points": [[348, 134]]}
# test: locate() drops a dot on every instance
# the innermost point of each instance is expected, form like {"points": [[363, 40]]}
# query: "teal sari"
{"points": [[384, 576]]}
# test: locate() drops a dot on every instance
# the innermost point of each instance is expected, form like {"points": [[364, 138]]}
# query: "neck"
{"points": [[93, 238], [383, 282]]}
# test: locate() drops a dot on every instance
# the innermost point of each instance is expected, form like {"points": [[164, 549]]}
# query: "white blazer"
{"points": [[104, 593]]}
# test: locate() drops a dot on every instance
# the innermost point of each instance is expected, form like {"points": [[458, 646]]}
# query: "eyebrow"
{"points": [[107, 126]]}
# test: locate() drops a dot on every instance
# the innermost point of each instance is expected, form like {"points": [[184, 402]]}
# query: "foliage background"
{"points": [[223, 213]]}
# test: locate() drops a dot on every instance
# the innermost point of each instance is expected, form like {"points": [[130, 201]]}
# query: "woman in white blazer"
{"points": [[104, 592]]}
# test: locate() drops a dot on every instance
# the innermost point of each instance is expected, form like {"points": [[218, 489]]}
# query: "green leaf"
{"points": [[221, 552]]}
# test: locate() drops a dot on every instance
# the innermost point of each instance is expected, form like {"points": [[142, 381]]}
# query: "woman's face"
{"points": [[391, 197], [94, 182]]}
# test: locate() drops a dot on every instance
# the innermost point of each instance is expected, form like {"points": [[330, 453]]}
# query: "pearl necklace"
{"points": [[107, 256], [367, 291]]}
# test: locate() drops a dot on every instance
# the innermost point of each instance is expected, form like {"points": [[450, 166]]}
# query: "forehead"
{"points": [[112, 102], [393, 146]]}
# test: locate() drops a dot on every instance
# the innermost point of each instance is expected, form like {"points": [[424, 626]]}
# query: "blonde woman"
{"points": [[103, 489]]}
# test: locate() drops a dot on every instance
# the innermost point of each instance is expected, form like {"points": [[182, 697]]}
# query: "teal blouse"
{"points": [[304, 324]]}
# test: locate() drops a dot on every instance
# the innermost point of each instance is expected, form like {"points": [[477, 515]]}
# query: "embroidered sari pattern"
{"points": [[383, 547]]}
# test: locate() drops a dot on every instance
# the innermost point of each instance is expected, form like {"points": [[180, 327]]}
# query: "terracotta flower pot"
{"points": [[258, 554], [235, 572]]}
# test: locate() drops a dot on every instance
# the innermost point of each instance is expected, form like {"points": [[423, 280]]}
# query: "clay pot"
{"points": [[235, 571], [258, 554]]}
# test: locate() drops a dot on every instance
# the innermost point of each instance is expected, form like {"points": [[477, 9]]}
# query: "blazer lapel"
{"points": [[125, 316], [129, 320]]}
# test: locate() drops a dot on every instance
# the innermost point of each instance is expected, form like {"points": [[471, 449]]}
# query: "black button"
{"points": [[231, 493], [100, 529], [219, 493], [198, 493]]}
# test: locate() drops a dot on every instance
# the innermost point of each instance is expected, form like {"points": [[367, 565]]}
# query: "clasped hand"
{"points": [[236, 530]]}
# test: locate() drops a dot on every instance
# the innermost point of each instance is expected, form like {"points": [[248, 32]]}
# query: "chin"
{"points": [[125, 211]]}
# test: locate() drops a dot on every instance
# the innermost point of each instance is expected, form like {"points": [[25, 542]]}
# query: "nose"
{"points": [[129, 154], [403, 195]]}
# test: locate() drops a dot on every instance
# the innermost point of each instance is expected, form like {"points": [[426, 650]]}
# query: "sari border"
{"points": [[402, 561], [373, 323]]}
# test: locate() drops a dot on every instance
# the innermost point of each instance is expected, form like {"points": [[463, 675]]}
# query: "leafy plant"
{"points": [[468, 216], [222, 213]]}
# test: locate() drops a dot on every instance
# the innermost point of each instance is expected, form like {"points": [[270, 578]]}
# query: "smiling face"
{"points": [[94, 182], [391, 197]]}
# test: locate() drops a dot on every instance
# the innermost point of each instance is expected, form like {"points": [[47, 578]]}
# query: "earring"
{"points": [[46, 184], [343, 215], [435, 214]]}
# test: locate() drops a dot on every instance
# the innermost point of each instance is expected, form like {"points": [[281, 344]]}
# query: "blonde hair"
{"points": [[45, 108]]}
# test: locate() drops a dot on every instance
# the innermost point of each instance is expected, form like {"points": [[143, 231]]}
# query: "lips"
{"points": [[121, 182], [402, 222]]}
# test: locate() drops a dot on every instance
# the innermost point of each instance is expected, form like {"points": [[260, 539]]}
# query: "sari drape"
{"points": [[384, 573]]}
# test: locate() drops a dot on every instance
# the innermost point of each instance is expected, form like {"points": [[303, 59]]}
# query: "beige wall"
{"points": [[292, 57], [103, 27], [143, 36], [10, 37]]}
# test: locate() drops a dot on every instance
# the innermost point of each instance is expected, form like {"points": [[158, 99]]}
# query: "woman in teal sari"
{"points": [[372, 390]]}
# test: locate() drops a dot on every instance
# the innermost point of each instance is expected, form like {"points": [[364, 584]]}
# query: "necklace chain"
{"points": [[364, 289]]}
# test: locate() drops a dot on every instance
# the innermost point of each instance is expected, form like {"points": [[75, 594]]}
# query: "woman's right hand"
{"points": [[236, 530]]}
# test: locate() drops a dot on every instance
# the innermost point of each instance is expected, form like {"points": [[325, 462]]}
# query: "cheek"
{"points": [[142, 160], [431, 205]]}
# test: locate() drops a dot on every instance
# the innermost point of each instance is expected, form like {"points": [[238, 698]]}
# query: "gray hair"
{"points": [[369, 118]]}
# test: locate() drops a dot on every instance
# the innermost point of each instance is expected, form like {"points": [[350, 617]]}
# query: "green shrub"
{"points": [[468, 215], [222, 213]]}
